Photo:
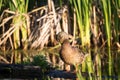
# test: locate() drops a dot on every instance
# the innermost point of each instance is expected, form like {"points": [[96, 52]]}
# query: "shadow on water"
{"points": [[46, 65]]}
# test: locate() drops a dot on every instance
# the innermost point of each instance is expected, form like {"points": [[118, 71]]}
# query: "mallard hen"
{"points": [[71, 55], [68, 53]]}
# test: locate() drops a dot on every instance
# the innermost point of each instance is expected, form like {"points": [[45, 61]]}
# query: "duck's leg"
{"points": [[76, 68], [67, 67], [77, 71]]}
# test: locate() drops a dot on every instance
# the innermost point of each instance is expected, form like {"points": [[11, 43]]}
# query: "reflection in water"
{"points": [[100, 65]]}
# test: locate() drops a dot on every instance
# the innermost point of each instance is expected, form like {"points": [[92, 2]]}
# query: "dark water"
{"points": [[101, 64]]}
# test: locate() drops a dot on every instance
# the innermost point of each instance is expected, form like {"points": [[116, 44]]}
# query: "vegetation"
{"points": [[26, 30], [95, 23]]}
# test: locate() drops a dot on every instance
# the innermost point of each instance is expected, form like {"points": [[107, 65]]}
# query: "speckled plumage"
{"points": [[69, 54]]}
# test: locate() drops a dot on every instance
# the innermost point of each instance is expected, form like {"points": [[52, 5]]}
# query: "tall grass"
{"points": [[0, 4], [107, 16], [20, 7], [110, 63], [116, 13], [20, 22], [83, 11]]}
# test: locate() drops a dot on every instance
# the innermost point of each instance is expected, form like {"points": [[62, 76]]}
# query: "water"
{"points": [[102, 64]]}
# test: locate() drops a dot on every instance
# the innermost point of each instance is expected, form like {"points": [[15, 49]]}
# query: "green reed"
{"points": [[89, 64], [107, 16], [79, 76], [20, 21], [116, 12], [110, 63], [1, 4], [83, 10]]}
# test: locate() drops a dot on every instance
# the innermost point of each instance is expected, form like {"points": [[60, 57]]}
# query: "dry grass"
{"points": [[48, 25], [43, 24], [7, 34]]}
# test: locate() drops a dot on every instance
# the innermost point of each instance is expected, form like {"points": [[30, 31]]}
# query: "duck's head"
{"points": [[61, 36]]}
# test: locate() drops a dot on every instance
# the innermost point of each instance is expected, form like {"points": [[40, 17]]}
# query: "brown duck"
{"points": [[68, 53]]}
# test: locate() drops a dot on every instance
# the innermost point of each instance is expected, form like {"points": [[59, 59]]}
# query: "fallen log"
{"points": [[61, 74], [29, 71], [20, 71]]}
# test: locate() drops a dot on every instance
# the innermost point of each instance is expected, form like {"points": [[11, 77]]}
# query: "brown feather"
{"points": [[71, 55]]}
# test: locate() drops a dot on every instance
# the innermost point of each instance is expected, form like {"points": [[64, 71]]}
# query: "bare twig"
{"points": [[2, 58]]}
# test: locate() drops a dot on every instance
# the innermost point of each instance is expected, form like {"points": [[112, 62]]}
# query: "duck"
{"points": [[69, 54]]}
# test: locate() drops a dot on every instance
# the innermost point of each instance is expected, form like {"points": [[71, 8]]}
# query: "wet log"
{"points": [[20, 71], [61, 74], [29, 71]]}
